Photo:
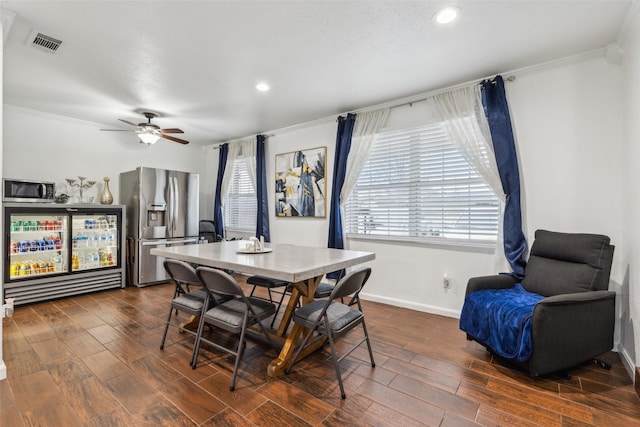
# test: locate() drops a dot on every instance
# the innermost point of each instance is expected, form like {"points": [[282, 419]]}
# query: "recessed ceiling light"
{"points": [[262, 87], [447, 15]]}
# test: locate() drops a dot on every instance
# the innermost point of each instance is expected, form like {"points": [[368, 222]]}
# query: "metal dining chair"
{"points": [[331, 319], [270, 284], [184, 299], [235, 315]]}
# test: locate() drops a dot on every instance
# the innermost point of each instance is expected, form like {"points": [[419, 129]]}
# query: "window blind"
{"points": [[240, 208], [416, 185]]}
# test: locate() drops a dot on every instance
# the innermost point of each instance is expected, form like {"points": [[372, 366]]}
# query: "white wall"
{"points": [[567, 124], [49, 147], [630, 309]]}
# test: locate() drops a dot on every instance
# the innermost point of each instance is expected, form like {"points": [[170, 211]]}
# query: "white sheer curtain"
{"points": [[246, 149], [462, 114], [364, 132]]}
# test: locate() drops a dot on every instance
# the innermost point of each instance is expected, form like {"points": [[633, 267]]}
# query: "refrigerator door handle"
{"points": [[170, 210], [176, 202]]}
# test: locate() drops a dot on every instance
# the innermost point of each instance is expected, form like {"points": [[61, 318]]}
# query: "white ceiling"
{"points": [[197, 62]]}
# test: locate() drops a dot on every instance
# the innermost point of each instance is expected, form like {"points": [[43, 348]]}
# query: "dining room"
{"points": [[95, 359]]}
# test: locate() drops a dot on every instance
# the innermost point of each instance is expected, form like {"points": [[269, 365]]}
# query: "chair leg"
{"points": [[366, 335], [196, 344], [166, 328], [336, 365], [239, 352], [278, 307]]}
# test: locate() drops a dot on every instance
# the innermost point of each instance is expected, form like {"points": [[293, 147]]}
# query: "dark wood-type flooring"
{"points": [[94, 360]]}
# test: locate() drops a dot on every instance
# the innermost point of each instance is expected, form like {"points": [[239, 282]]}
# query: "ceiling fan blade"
{"points": [[172, 130], [128, 122], [172, 138]]}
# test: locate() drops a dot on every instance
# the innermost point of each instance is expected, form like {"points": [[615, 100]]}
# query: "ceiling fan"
{"points": [[149, 133]]}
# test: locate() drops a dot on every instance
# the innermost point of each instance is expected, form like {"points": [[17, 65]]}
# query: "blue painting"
{"points": [[300, 183]]}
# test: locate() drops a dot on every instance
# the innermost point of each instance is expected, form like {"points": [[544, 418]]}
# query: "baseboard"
{"points": [[412, 305], [628, 364]]}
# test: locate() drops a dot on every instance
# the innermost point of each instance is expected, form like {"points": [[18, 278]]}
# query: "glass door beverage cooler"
{"points": [[53, 251]]}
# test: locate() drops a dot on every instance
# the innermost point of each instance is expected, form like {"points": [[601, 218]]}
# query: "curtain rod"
{"points": [[426, 95], [231, 141], [391, 104]]}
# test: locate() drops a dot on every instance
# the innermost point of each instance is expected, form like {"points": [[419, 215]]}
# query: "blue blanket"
{"points": [[501, 319]]}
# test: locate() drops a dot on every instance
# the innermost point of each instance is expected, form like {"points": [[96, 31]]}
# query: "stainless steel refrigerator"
{"points": [[162, 211]]}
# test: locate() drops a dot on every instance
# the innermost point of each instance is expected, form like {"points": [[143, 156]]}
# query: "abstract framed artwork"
{"points": [[301, 186]]}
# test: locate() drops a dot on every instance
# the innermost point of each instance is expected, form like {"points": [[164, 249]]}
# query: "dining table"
{"points": [[302, 266]]}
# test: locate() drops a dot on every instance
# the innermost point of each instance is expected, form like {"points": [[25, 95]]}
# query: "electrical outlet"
{"points": [[445, 281]]}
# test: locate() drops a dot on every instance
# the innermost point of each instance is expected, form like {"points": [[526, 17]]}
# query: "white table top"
{"points": [[292, 263]]}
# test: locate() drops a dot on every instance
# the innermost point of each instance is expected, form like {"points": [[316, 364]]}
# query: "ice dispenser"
{"points": [[156, 214]]}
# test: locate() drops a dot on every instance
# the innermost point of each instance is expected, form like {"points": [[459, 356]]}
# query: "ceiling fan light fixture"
{"points": [[148, 138]]}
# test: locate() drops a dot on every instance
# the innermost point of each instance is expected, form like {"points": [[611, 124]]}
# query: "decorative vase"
{"points": [[106, 198]]}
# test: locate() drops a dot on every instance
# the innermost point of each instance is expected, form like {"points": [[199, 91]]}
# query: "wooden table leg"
{"points": [[191, 324], [304, 291]]}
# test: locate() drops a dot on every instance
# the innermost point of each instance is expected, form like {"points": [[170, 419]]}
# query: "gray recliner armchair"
{"points": [[573, 322]]}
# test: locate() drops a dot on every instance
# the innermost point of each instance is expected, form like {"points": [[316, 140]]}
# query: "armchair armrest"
{"points": [[498, 281], [578, 297], [568, 329]]}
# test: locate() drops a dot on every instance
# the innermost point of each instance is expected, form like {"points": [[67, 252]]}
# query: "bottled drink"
{"points": [[57, 260], [75, 262]]}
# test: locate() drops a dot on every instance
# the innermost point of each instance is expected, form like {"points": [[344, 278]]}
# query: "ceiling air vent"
{"points": [[44, 42]]}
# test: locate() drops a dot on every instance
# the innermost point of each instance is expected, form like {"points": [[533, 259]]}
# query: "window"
{"points": [[416, 186], [240, 208]]}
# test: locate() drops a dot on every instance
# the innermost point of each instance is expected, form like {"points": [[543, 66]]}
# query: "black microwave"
{"points": [[18, 190]]}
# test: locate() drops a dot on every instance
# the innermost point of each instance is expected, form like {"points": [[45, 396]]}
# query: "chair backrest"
{"points": [[207, 229], [219, 282], [181, 272], [351, 284], [562, 263]]}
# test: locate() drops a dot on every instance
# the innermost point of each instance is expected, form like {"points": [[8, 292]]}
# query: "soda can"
{"points": [[42, 245], [23, 246], [14, 247], [13, 269], [50, 244], [33, 245], [24, 269]]}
